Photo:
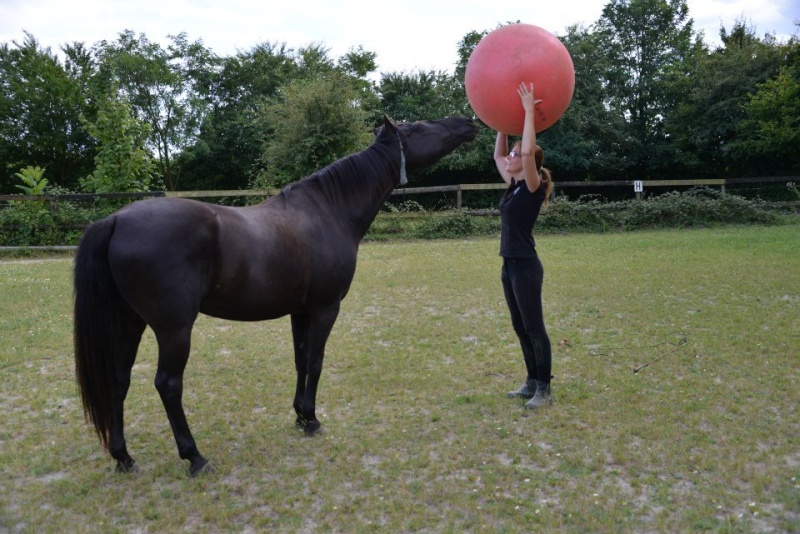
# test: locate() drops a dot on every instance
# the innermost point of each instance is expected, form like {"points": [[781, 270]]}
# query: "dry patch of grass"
{"points": [[418, 433]]}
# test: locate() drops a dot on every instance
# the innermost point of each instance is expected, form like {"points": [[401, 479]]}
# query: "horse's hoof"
{"points": [[312, 428], [300, 422], [201, 467], [127, 467]]}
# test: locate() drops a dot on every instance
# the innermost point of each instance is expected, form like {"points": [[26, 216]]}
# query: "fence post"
{"points": [[458, 198]]}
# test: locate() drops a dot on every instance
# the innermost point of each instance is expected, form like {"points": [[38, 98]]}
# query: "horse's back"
{"points": [[164, 231]]}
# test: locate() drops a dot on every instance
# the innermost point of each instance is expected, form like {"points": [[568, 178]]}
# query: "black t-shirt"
{"points": [[519, 209]]}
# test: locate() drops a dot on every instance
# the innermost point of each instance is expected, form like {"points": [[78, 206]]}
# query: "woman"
{"points": [[529, 188]]}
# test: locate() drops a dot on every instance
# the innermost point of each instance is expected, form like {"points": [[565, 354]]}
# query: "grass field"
{"points": [[677, 371]]}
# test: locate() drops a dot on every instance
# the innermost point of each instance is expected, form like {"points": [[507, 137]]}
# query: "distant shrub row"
{"points": [[37, 223], [698, 207]]}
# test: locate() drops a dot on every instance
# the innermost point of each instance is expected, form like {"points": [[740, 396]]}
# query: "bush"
{"points": [[456, 224], [40, 223], [32, 223], [697, 207], [587, 214]]}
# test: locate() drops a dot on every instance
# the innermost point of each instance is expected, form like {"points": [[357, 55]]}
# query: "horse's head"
{"points": [[426, 142]]}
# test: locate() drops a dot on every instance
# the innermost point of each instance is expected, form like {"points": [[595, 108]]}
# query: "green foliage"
{"points": [[771, 127], [358, 62], [699, 207], [41, 101], [33, 180], [26, 223], [122, 163], [587, 214], [420, 95], [316, 122], [46, 222], [457, 224], [166, 87], [590, 140], [643, 43], [705, 122], [696, 208], [231, 138]]}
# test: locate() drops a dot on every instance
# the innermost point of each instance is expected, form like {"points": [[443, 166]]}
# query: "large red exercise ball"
{"points": [[508, 56]]}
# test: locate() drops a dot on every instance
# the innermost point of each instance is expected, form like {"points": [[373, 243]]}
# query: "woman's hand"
{"points": [[525, 93]]}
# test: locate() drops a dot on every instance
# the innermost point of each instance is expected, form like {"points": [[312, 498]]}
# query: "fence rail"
{"points": [[459, 189]]}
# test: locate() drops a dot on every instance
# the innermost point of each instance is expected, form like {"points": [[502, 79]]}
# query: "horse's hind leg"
{"points": [[173, 353], [130, 336]]}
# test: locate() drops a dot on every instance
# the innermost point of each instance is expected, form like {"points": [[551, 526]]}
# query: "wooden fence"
{"points": [[636, 187]]}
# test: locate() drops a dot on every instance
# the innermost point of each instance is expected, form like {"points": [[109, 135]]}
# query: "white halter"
{"points": [[403, 176]]}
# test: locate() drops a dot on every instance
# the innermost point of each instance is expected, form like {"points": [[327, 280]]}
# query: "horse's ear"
{"points": [[388, 124]]}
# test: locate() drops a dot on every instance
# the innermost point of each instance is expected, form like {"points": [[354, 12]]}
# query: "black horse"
{"points": [[163, 261]]}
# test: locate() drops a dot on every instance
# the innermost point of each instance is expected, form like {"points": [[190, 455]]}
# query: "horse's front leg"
{"points": [[173, 354], [299, 333], [319, 325]]}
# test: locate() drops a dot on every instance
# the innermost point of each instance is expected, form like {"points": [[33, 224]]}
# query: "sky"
{"points": [[406, 35]]}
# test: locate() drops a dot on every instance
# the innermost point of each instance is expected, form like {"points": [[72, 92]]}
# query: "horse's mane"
{"points": [[354, 177]]}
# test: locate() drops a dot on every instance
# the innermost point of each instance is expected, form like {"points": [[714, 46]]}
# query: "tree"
{"points": [[704, 125], [358, 64], [420, 95], [645, 43], [230, 141], [314, 123], [167, 88], [122, 163], [41, 102], [770, 130], [590, 140]]}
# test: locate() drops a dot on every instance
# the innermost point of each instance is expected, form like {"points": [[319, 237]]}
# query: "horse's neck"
{"points": [[352, 190], [369, 183], [382, 182]]}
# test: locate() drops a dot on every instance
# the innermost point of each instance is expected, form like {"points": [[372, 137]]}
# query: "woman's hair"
{"points": [[544, 174]]}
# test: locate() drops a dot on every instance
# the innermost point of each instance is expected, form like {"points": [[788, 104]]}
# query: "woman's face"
{"points": [[513, 161]]}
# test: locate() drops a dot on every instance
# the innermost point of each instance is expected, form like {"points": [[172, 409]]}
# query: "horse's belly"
{"points": [[241, 315], [252, 306]]}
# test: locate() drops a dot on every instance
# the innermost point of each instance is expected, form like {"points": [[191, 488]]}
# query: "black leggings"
{"points": [[522, 285]]}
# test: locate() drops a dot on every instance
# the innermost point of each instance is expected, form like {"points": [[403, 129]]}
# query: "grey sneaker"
{"points": [[525, 392], [542, 398]]}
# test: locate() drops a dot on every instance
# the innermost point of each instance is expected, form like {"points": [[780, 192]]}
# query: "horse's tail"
{"points": [[97, 327]]}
